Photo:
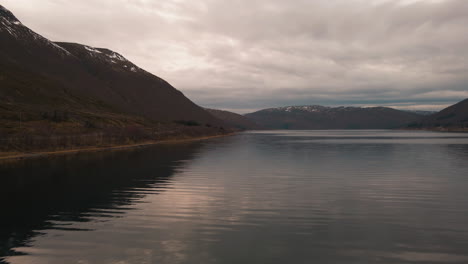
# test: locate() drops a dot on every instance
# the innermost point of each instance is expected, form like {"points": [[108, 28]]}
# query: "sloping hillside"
{"points": [[233, 120], [454, 117], [55, 89], [97, 73]]}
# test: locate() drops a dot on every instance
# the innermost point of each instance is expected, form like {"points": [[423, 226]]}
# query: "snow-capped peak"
{"points": [[312, 109], [302, 108]]}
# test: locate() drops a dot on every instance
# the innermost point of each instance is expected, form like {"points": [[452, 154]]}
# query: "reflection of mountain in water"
{"points": [[39, 194]]}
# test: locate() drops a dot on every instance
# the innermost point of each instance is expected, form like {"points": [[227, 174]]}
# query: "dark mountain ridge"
{"points": [[97, 73], [74, 89], [7, 14], [233, 119], [322, 117], [454, 117]]}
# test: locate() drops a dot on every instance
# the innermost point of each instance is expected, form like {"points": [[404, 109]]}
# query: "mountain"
{"points": [[454, 117], [322, 117], [94, 73], [233, 120], [54, 88]]}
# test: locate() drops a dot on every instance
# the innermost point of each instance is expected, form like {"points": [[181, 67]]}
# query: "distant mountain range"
{"points": [[322, 117], [453, 118]]}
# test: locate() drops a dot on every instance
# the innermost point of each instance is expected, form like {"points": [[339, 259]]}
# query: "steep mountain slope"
{"points": [[233, 120], [453, 118], [86, 72], [321, 117], [64, 95]]}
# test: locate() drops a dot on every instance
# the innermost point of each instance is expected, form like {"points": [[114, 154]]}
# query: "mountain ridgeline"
{"points": [[56, 88], [86, 72], [234, 120], [322, 117], [452, 118], [57, 95]]}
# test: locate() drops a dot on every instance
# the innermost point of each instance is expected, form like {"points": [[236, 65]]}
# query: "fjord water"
{"points": [[258, 197]]}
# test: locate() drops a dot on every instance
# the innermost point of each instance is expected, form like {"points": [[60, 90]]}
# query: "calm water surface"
{"points": [[257, 197]]}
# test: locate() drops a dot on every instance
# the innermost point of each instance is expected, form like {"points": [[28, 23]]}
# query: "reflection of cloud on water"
{"points": [[259, 197]]}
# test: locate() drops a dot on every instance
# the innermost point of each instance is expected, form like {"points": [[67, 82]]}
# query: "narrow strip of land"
{"points": [[437, 129], [27, 155]]}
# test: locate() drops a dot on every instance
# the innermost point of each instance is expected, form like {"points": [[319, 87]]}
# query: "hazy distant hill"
{"points": [[454, 117], [233, 119], [321, 117], [421, 112]]}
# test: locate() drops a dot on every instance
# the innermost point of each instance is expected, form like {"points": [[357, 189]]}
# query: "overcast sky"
{"points": [[244, 55]]}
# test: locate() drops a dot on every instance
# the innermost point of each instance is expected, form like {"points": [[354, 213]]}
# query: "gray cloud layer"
{"points": [[250, 54]]}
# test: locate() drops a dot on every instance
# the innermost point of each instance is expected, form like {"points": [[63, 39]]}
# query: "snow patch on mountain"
{"points": [[47, 42], [8, 26], [15, 28], [60, 48], [302, 108], [6, 14], [315, 109], [91, 49], [117, 56]]}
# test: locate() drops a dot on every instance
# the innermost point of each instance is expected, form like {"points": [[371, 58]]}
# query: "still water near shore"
{"points": [[257, 197]]}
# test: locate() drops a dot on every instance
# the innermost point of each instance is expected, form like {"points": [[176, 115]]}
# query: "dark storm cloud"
{"points": [[249, 54]]}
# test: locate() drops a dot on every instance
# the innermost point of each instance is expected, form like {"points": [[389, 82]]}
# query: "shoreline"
{"points": [[29, 155], [437, 129]]}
